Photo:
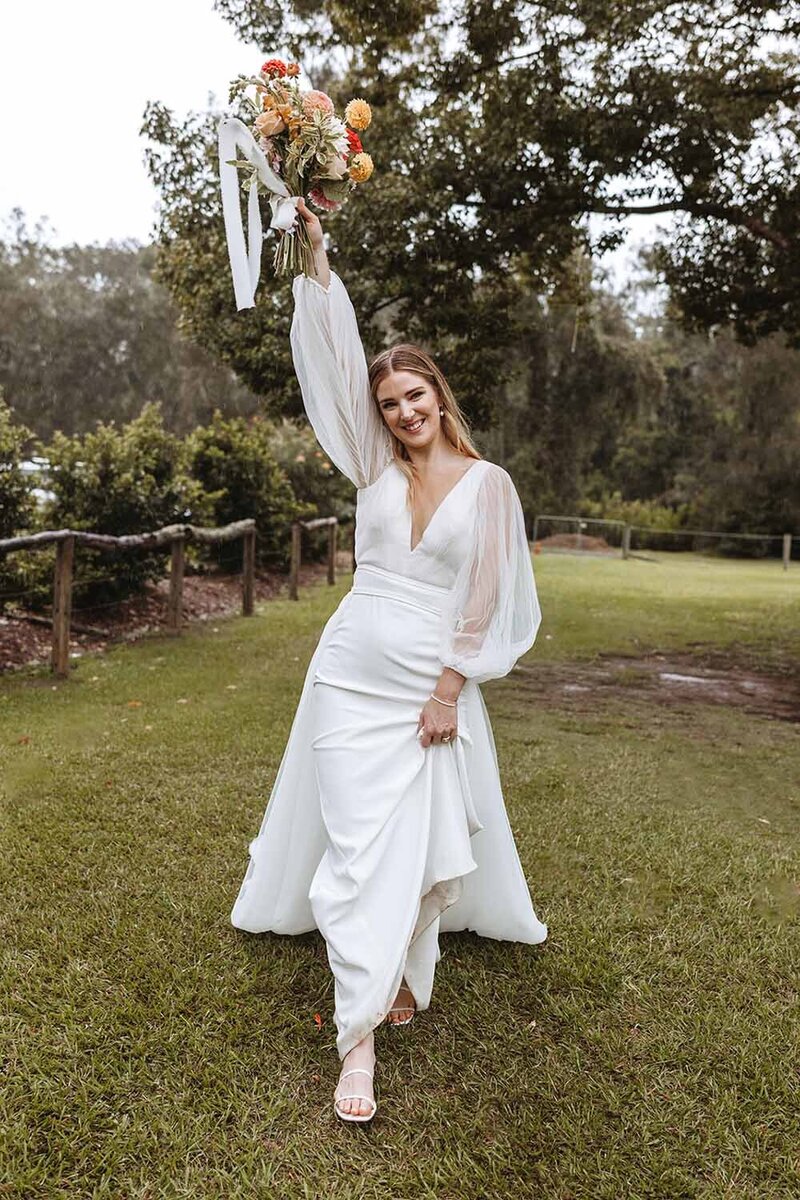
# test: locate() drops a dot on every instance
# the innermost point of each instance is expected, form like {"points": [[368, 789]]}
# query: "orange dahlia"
{"points": [[361, 167], [358, 114]]}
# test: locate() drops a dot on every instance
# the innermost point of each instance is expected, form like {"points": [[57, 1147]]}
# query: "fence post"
{"points": [[787, 550], [294, 564], [626, 542], [62, 606], [579, 540], [535, 537], [332, 532], [248, 572], [175, 605]]}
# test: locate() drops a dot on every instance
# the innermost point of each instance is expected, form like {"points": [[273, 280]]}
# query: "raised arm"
{"points": [[332, 370], [494, 613]]}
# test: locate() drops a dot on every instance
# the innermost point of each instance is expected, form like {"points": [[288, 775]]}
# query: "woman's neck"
{"points": [[431, 459]]}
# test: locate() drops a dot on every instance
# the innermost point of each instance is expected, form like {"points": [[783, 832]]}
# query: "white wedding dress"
{"points": [[370, 838]]}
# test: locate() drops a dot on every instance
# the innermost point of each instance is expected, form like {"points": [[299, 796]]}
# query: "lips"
{"points": [[415, 426]]}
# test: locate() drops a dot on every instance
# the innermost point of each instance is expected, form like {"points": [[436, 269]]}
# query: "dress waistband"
{"points": [[375, 581]]}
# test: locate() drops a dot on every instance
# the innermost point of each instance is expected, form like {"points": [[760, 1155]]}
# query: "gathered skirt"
{"points": [[397, 823], [398, 817]]}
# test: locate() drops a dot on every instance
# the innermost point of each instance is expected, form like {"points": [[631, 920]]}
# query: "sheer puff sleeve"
{"points": [[493, 615], [332, 371]]}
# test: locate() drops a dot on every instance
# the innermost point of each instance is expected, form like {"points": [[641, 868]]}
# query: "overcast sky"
{"points": [[74, 81]]}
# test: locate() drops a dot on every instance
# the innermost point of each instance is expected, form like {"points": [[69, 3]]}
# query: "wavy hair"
{"points": [[408, 357]]}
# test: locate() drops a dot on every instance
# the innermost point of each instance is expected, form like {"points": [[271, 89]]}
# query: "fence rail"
{"points": [[626, 533], [332, 525], [173, 536]]}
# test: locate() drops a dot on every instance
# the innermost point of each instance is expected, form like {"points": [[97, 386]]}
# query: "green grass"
{"points": [[648, 1049]]}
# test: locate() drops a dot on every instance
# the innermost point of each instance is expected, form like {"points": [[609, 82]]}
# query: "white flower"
{"points": [[336, 169]]}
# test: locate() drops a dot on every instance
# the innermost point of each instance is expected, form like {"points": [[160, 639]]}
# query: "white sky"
{"points": [[74, 81]]}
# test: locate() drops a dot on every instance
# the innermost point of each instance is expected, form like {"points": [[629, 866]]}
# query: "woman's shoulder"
{"points": [[493, 475]]}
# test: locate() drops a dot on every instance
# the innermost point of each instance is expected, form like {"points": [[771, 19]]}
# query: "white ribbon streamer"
{"points": [[236, 140]]}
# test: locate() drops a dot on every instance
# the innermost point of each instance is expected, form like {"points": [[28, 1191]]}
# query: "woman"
{"points": [[386, 824]]}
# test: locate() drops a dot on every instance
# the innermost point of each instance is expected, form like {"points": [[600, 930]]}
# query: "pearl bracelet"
{"points": [[449, 703]]}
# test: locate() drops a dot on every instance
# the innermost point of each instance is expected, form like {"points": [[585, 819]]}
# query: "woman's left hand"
{"points": [[438, 723]]}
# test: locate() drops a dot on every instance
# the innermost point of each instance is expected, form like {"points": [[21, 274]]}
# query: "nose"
{"points": [[407, 410]]}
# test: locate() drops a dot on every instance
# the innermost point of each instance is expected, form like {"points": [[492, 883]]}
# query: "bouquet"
{"points": [[287, 143]]}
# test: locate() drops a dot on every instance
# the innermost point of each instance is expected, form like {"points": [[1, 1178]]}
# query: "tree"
{"points": [[501, 127], [87, 334]]}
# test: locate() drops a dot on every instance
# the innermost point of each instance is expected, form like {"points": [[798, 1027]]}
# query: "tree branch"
{"points": [[734, 216]]}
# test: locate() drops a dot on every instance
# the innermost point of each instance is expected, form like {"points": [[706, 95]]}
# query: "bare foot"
{"points": [[403, 1006], [362, 1055]]}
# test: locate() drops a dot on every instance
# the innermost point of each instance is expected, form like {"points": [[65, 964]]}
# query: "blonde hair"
{"points": [[408, 357]]}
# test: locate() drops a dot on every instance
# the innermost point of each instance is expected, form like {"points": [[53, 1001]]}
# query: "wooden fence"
{"points": [[625, 531], [173, 536], [332, 524]]}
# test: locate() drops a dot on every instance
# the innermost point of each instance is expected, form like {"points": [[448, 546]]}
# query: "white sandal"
{"points": [[403, 1008], [354, 1096]]}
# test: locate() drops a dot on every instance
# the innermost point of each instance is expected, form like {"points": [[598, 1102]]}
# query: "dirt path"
{"points": [[675, 680]]}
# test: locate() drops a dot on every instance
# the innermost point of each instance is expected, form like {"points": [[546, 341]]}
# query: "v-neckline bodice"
{"points": [[432, 518]]}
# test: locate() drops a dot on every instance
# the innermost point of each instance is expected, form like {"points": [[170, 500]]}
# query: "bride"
{"points": [[386, 824]]}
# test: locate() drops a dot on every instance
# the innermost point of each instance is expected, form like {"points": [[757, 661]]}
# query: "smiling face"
{"points": [[409, 405]]}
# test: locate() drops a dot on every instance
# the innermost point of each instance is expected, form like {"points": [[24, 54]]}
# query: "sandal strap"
{"points": [[355, 1071]]}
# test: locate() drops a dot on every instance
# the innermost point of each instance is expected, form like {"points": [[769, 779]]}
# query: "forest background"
{"points": [[513, 142]]}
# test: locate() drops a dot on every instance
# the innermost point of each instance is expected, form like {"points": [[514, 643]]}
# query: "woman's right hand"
{"points": [[321, 269], [313, 225]]}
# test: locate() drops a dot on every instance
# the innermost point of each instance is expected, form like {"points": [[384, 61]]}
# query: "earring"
{"points": [[441, 412]]}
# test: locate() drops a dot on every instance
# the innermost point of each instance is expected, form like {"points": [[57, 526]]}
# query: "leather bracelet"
{"points": [[448, 703]]}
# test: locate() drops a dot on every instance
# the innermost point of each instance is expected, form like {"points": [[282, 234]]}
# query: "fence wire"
{"points": [[567, 533]]}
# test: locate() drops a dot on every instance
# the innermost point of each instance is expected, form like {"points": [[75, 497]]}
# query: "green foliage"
{"points": [[20, 570], [313, 477], [314, 480], [233, 461], [571, 395], [87, 334], [17, 505], [119, 481], [611, 506], [497, 154]]}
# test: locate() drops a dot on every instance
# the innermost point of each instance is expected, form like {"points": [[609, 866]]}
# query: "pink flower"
{"points": [[335, 169], [316, 100], [318, 197], [269, 123]]}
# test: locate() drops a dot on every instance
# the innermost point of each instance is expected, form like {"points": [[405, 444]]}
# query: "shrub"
{"points": [[119, 481], [611, 507], [314, 479], [17, 506], [232, 460], [25, 570]]}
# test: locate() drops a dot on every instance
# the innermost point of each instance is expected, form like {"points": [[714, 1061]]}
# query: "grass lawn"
{"points": [[649, 1049]]}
